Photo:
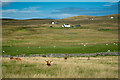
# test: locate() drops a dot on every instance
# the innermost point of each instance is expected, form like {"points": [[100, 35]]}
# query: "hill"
{"points": [[86, 17], [37, 37], [7, 19], [81, 17]]}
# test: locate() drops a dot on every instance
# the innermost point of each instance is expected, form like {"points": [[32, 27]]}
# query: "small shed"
{"points": [[77, 26], [111, 17], [66, 25], [54, 22], [90, 18]]}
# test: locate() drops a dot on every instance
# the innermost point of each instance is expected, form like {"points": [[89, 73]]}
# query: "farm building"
{"points": [[111, 17], [77, 26], [54, 22], [66, 25], [90, 18]]}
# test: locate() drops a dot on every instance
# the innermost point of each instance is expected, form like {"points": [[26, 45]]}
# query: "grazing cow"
{"points": [[18, 59], [51, 26], [48, 62], [65, 58], [11, 58]]}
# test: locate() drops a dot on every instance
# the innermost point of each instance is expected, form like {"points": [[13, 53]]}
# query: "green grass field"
{"points": [[60, 49]]}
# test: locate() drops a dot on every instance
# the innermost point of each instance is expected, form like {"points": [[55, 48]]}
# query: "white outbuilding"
{"points": [[111, 17], [66, 25], [53, 22], [90, 19]]}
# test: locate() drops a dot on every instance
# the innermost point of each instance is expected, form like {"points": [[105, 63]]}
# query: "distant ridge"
{"points": [[40, 19], [7, 19], [24, 19], [80, 17]]}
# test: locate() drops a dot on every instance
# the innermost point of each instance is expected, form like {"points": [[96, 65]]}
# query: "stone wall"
{"points": [[69, 55]]}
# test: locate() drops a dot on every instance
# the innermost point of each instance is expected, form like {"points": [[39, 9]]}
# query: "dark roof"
{"points": [[77, 25], [67, 24]]}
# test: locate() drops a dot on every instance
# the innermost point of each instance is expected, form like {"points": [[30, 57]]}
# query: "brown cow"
{"points": [[18, 59], [11, 58], [65, 58], [48, 62]]}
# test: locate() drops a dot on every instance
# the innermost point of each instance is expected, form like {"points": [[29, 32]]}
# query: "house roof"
{"points": [[67, 24]]}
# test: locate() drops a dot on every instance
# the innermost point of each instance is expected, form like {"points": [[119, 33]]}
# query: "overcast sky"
{"points": [[57, 10]]}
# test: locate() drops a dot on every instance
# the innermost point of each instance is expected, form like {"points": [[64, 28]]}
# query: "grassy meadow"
{"points": [[87, 48], [73, 67], [35, 36]]}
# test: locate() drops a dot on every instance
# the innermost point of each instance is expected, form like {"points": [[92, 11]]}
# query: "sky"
{"points": [[59, 0], [56, 10]]}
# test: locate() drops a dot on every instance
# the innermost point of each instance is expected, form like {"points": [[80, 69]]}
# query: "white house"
{"points": [[53, 22], [111, 17], [90, 18], [66, 25]]}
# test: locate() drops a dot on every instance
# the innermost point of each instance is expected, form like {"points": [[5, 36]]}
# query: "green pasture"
{"points": [[86, 48], [26, 36]]}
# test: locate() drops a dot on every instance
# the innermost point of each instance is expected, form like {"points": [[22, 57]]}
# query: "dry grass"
{"points": [[38, 33], [50, 37], [74, 67]]}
